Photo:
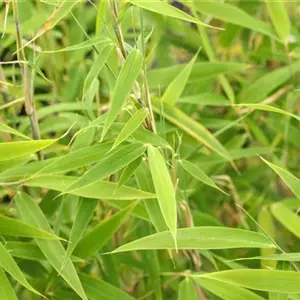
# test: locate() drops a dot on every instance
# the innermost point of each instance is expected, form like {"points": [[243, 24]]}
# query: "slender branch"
{"points": [[28, 95]]}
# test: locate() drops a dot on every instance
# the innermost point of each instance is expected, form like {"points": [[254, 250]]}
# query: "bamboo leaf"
{"points": [[112, 163], [100, 42], [187, 290], [64, 163], [129, 171], [10, 266], [270, 108], [176, 87], [166, 9], [192, 128], [144, 136], [280, 19], [164, 188], [131, 126], [60, 11], [289, 219], [199, 174], [12, 227], [232, 14], [290, 180], [6, 290], [84, 213], [161, 77], [143, 178], [200, 238], [11, 150], [98, 190], [8, 129], [95, 239], [128, 75], [261, 280], [226, 291], [53, 250], [98, 289], [97, 66], [264, 85]]}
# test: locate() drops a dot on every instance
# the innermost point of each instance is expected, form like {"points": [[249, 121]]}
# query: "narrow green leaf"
{"points": [[164, 188], [199, 174], [10, 266], [230, 13], [6, 290], [98, 190], [261, 280], [64, 163], [144, 136], [166, 9], [143, 178], [161, 77], [113, 162], [8, 129], [264, 85], [265, 107], [101, 43], [11, 150], [224, 290], [98, 289], [192, 128], [97, 66], [84, 213], [266, 221], [280, 19], [208, 99], [187, 290], [129, 171], [95, 239], [289, 219], [131, 126], [176, 87], [200, 238], [276, 257], [62, 9], [12, 227], [29, 251], [53, 250], [290, 180], [128, 75]]}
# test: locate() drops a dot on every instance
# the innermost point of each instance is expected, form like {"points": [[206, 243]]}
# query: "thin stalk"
{"points": [[149, 123], [29, 103], [145, 80]]}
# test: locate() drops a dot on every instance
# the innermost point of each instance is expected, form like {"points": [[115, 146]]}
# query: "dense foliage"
{"points": [[149, 150]]}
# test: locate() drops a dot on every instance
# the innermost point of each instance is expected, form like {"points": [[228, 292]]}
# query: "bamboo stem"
{"points": [[150, 123], [28, 95]]}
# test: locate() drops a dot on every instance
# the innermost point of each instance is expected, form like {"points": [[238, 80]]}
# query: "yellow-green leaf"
{"points": [[200, 238], [192, 128], [176, 87], [164, 188], [52, 249], [131, 126], [261, 280], [289, 179], [11, 150], [126, 78], [280, 19]]}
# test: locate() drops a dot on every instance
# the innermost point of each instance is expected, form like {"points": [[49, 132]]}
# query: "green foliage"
{"points": [[149, 150]]}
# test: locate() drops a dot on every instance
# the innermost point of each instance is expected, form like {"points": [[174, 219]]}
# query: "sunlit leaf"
{"points": [[200, 238], [164, 188], [53, 250], [127, 77], [262, 280]]}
